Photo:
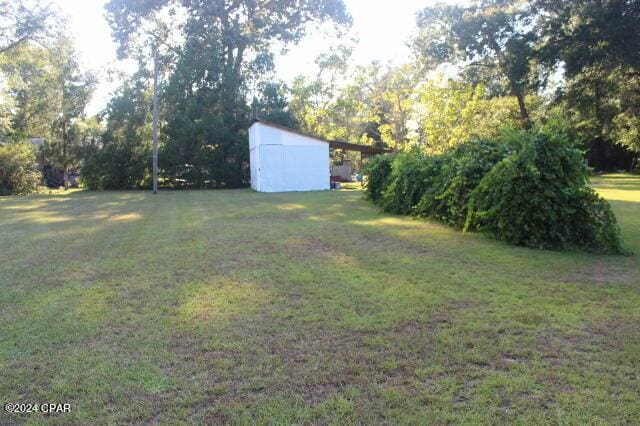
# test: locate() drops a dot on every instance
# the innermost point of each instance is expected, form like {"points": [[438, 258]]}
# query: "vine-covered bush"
{"points": [[19, 173], [377, 171], [405, 184], [538, 197], [528, 188], [596, 227], [459, 173]]}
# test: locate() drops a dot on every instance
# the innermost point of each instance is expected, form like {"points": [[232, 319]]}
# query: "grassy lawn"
{"points": [[307, 307]]}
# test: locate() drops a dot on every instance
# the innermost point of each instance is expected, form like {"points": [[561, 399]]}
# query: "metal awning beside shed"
{"points": [[367, 150]]}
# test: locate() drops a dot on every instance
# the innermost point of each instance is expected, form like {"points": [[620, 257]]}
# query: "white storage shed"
{"points": [[285, 160]]}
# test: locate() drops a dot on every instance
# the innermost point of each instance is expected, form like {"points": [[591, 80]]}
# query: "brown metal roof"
{"points": [[365, 149]]}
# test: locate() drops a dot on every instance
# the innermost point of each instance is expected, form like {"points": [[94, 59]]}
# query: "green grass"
{"points": [[234, 306]]}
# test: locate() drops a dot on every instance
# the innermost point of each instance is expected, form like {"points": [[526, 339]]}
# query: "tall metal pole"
{"points": [[155, 122]]}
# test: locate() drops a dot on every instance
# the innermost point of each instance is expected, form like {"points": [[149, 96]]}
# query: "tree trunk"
{"points": [[155, 123], [524, 114], [65, 168], [518, 92], [232, 83]]}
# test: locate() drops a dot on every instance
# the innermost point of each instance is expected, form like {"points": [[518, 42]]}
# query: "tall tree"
{"points": [[227, 44], [7, 107], [24, 20], [315, 101], [148, 40], [73, 89], [122, 159], [493, 34], [371, 105], [393, 99], [239, 29], [451, 112], [595, 44], [271, 104], [30, 80]]}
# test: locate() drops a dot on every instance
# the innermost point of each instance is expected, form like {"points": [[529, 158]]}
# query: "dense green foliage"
{"points": [[18, 169], [518, 64], [47, 95], [458, 172], [225, 52], [434, 186], [377, 170], [519, 48], [528, 188], [405, 184], [537, 197], [123, 161], [596, 42], [204, 154], [205, 138], [272, 105]]}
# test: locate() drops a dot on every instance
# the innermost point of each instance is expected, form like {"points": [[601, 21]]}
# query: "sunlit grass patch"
{"points": [[291, 206], [128, 217], [220, 300]]}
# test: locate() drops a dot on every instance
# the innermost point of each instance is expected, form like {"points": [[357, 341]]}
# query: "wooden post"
{"points": [[155, 121]]}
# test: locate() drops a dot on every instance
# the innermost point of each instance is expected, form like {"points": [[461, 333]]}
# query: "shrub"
{"points": [[18, 169], [405, 183], [459, 172], [537, 197], [117, 165], [92, 171], [377, 170], [528, 188], [595, 225]]}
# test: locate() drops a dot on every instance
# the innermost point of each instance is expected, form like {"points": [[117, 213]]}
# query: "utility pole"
{"points": [[155, 121]]}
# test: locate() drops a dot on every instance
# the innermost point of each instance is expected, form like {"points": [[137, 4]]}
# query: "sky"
{"points": [[381, 27]]}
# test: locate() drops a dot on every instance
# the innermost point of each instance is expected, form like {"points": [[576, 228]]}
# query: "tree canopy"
{"points": [[227, 48], [24, 20], [496, 34]]}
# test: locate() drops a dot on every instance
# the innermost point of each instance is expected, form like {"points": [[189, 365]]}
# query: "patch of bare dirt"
{"points": [[602, 273], [597, 341]]}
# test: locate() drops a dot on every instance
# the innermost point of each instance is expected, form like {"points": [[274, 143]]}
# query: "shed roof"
{"points": [[365, 149]]}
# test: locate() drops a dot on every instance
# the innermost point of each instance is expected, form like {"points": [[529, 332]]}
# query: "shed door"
{"points": [[271, 167]]}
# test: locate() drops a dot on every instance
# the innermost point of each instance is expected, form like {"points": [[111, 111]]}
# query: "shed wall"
{"points": [[282, 161]]}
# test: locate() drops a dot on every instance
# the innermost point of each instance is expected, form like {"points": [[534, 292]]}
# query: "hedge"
{"points": [[527, 188]]}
